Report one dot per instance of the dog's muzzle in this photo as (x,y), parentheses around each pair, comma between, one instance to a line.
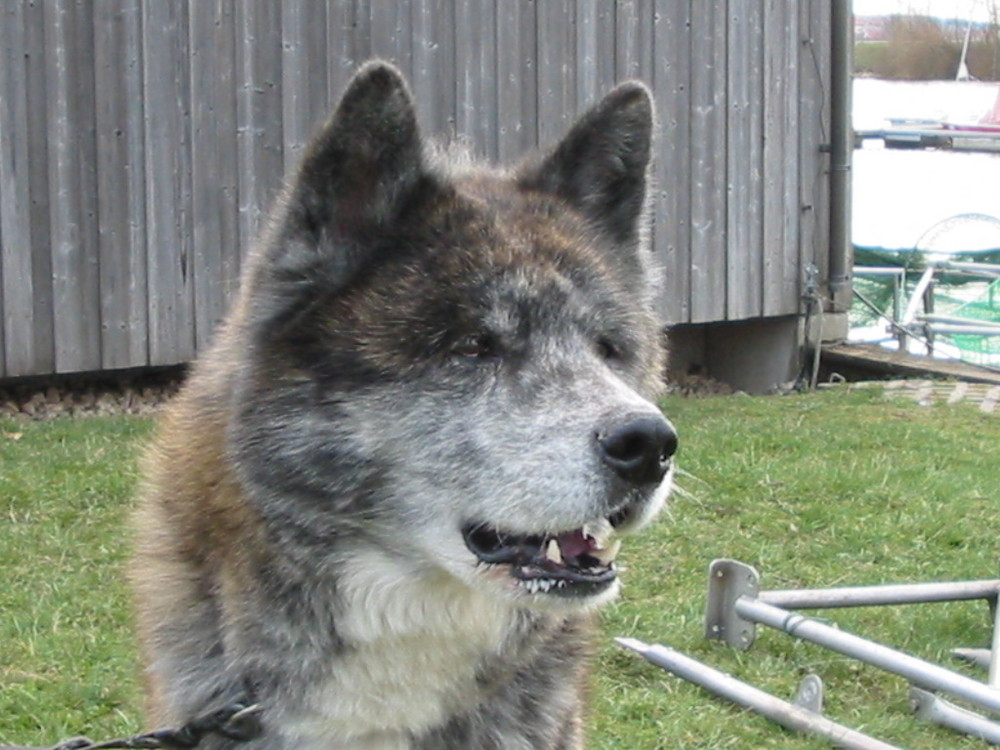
(581,562)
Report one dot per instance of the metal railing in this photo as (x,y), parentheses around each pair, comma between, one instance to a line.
(736,607)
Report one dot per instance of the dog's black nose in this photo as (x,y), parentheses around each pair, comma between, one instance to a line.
(639,449)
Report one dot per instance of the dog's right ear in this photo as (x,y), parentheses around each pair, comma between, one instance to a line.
(357,173)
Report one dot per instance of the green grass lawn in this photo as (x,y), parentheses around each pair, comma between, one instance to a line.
(66,654)
(815,490)
(818,490)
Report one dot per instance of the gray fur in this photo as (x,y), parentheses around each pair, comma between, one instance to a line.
(421,351)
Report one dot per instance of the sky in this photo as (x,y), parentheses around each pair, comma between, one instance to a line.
(977,10)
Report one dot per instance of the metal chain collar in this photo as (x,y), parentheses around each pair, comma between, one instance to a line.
(237,721)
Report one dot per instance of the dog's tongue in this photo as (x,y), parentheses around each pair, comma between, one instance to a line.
(574,544)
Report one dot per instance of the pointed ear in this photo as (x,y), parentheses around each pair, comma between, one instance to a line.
(364,163)
(600,166)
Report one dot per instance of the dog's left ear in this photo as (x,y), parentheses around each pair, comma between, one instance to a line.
(600,167)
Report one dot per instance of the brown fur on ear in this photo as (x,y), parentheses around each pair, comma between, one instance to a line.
(600,167)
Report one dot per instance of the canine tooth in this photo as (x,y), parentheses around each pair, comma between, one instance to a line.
(598,530)
(553,553)
(608,554)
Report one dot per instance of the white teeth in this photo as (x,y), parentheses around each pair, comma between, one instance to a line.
(542,585)
(608,554)
(553,553)
(598,530)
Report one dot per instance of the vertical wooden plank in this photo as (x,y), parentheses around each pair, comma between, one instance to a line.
(43,312)
(517,95)
(738,167)
(781,213)
(214,179)
(304,65)
(744,227)
(435,74)
(791,265)
(638,29)
(15,220)
(121,189)
(708,162)
(756,161)
(392,33)
(72,180)
(3,345)
(168,182)
(3,250)
(672,196)
(774,87)
(781,270)
(635,24)
(258,111)
(348,40)
(595,49)
(476,70)
(557,65)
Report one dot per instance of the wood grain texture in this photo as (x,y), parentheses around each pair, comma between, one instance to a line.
(142,142)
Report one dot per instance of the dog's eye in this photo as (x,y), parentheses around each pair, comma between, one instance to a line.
(478,346)
(608,350)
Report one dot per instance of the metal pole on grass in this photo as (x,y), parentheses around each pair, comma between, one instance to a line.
(994,670)
(866,596)
(919,672)
(930,707)
(777,710)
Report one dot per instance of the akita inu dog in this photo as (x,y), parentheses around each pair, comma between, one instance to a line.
(387,501)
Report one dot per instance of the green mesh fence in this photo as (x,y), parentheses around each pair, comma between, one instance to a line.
(952,293)
(878,291)
(984,350)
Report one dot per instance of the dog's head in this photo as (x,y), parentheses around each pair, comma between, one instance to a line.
(452,366)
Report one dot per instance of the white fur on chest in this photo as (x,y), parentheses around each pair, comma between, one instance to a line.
(413,647)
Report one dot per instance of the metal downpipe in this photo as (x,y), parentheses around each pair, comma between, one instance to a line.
(841,257)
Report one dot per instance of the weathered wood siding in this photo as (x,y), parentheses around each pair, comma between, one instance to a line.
(141,141)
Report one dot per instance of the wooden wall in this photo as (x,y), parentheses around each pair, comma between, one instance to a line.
(142,140)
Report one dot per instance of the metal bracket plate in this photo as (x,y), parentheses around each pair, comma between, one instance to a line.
(810,694)
(728,580)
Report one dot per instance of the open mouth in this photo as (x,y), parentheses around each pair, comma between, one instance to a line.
(572,563)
